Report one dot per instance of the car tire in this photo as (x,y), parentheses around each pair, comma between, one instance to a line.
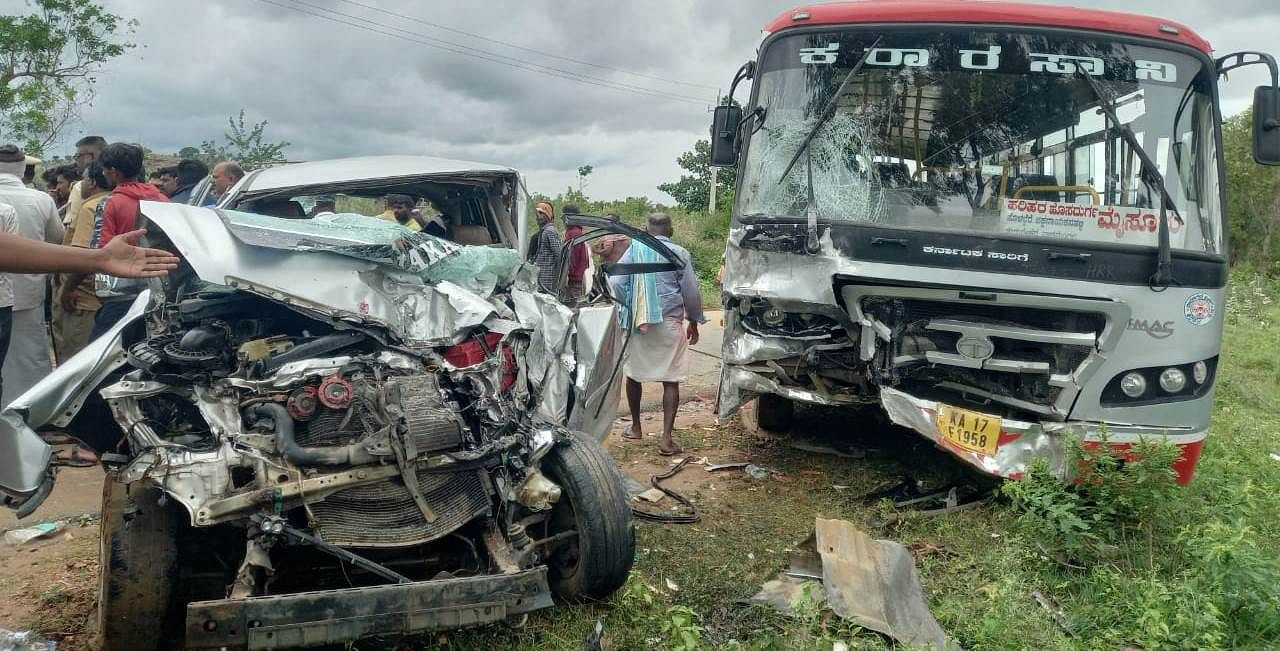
(138,554)
(770,414)
(595,562)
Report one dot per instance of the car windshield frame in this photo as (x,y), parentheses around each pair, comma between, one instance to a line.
(1196,178)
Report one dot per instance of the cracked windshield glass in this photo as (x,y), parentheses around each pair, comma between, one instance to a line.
(984,132)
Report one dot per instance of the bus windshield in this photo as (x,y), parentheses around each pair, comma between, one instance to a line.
(984,132)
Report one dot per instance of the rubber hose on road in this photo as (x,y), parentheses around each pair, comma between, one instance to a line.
(680,518)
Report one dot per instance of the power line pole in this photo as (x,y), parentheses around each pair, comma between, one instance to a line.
(711,196)
(715,171)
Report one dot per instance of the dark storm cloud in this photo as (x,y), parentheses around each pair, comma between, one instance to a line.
(337,90)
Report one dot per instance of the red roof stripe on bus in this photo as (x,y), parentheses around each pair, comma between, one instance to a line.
(987,12)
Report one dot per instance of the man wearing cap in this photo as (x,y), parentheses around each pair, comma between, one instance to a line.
(544,249)
(37,217)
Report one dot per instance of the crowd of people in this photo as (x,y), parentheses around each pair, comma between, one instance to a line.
(72,265)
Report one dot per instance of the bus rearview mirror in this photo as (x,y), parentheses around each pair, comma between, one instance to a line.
(1266,125)
(724,135)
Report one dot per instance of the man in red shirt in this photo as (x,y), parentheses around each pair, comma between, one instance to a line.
(122,165)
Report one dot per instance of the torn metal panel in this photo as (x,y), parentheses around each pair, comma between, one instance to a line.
(746,348)
(598,380)
(550,358)
(874,583)
(55,400)
(738,385)
(1022,441)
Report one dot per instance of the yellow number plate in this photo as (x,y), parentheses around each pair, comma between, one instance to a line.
(969,429)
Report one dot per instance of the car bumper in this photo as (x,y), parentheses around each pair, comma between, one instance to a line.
(337,616)
(1022,441)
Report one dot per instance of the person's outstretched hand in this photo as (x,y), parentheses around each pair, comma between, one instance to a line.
(123,258)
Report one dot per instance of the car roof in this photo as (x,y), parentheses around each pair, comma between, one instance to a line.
(364,168)
(980,12)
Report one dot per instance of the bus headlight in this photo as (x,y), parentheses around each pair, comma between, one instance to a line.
(1172,380)
(1133,384)
(1130,388)
(1200,372)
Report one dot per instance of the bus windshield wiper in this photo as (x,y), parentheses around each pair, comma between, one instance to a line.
(1151,175)
(827,111)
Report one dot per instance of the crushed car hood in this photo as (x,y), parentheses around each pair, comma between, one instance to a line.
(424,290)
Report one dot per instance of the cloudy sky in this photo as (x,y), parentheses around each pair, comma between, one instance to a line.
(646,74)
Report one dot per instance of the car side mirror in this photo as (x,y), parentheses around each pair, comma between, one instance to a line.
(1266,125)
(724,135)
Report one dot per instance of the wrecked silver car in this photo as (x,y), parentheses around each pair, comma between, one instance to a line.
(1005,234)
(317,430)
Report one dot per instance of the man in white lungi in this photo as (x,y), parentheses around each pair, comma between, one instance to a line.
(28,358)
(656,308)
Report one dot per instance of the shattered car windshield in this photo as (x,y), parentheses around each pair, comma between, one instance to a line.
(479,268)
(988,132)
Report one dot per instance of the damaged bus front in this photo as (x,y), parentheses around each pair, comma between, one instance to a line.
(1006,232)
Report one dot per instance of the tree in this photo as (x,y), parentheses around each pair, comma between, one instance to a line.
(49,60)
(189,152)
(691,191)
(244,145)
(1253,196)
(583,173)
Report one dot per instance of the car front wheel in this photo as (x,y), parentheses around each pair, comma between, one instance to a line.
(590,535)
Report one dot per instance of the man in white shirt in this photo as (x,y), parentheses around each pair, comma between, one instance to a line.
(9,225)
(37,217)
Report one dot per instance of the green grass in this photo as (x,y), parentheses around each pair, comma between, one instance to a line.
(1207,576)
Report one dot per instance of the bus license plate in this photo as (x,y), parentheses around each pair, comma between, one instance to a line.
(969,429)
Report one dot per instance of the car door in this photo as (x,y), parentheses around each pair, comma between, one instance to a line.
(600,342)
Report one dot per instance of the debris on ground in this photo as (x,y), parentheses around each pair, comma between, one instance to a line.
(691,516)
(653,495)
(595,641)
(24,641)
(760,472)
(1058,615)
(819,448)
(872,583)
(634,488)
(727,466)
(16,537)
(923,548)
